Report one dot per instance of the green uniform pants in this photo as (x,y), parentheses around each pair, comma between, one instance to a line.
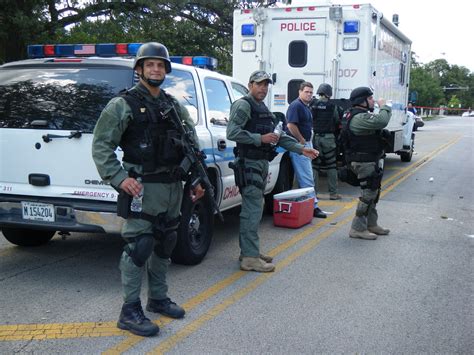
(158,198)
(326,161)
(366,212)
(252,208)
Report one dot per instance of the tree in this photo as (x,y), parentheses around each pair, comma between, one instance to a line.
(427,86)
(24,22)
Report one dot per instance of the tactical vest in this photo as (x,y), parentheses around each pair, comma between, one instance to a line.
(323,117)
(150,139)
(261,121)
(362,148)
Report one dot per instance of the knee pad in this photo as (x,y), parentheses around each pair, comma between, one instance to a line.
(165,244)
(362,207)
(143,247)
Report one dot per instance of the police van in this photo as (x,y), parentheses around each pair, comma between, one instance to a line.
(49,105)
(345,46)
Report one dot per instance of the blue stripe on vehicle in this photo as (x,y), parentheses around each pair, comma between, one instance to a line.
(215,155)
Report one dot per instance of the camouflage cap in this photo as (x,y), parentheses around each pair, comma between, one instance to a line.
(260,75)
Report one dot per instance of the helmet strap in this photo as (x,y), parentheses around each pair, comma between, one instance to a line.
(371,109)
(152,82)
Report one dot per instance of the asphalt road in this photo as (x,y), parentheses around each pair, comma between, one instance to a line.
(409,292)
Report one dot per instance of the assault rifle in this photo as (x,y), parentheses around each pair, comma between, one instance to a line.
(193,158)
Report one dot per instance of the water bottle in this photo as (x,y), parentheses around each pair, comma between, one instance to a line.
(278,130)
(137,201)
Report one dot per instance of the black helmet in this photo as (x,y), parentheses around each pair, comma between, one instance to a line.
(153,50)
(324,89)
(359,95)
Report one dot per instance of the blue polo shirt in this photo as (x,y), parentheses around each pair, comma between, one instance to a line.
(299,114)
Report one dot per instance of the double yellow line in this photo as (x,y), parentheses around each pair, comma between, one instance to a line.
(101,329)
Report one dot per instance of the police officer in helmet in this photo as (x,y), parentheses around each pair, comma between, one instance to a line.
(365,154)
(150,143)
(326,120)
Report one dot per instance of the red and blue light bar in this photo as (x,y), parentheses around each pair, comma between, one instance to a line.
(196,61)
(110,50)
(76,50)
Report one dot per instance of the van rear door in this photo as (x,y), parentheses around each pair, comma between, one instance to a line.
(296,52)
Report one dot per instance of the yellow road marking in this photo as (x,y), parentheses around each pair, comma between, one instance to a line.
(101,329)
(174,339)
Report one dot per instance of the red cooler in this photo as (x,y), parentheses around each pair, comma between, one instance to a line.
(293,208)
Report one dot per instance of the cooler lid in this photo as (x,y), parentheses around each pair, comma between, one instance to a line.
(293,194)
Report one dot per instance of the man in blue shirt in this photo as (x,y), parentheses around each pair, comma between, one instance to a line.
(300,126)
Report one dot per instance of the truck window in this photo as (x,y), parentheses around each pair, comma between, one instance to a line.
(239,90)
(218,101)
(293,89)
(70,98)
(297,54)
(401,79)
(180,84)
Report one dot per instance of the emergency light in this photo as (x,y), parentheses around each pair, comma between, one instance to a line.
(198,61)
(109,50)
(351,26)
(248,29)
(71,50)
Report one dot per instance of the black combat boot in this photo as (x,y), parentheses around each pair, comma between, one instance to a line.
(165,307)
(132,319)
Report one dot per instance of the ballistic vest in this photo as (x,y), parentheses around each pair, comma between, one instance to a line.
(362,148)
(261,121)
(323,117)
(150,139)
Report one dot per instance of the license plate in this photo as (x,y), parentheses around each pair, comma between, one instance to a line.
(37,211)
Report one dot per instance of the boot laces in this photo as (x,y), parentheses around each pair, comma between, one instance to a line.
(139,315)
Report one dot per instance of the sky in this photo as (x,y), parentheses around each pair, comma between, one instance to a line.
(438,29)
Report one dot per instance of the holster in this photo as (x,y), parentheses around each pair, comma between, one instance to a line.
(123,204)
(347,175)
(239,173)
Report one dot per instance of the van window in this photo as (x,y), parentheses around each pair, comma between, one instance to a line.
(180,84)
(218,101)
(297,54)
(69,98)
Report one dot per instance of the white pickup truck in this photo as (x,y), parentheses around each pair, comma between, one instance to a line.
(49,105)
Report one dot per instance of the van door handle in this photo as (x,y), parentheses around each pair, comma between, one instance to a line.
(221,144)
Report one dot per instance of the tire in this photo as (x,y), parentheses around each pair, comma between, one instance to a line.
(195,230)
(27,237)
(284,182)
(406,156)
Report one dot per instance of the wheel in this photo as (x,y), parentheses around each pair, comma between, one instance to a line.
(27,237)
(406,156)
(195,230)
(284,181)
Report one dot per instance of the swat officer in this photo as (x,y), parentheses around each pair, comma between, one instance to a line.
(364,153)
(252,125)
(150,143)
(326,119)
